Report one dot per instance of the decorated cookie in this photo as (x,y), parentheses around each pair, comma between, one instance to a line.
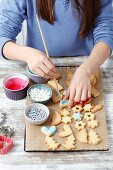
(66,119)
(93,124)
(96,108)
(94,138)
(67,131)
(52,84)
(89,116)
(70,142)
(51,143)
(82,136)
(80,125)
(49,131)
(93,79)
(77,116)
(77,108)
(94,92)
(56,119)
(63,103)
(65,112)
(88,107)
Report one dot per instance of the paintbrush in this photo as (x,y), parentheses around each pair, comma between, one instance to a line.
(46,50)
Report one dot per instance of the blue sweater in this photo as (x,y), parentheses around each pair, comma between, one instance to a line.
(62,38)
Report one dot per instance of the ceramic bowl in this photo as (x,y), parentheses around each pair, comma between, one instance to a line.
(35,78)
(45,97)
(34,117)
(16,86)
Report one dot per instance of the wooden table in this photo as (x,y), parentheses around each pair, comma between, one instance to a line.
(18,159)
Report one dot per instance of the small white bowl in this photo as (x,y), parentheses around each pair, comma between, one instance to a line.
(32,117)
(36,78)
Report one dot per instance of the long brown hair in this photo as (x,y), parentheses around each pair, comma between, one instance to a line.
(89,11)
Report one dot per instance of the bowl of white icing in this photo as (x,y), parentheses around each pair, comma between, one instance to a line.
(39,93)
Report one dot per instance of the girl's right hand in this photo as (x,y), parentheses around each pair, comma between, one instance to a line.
(39,63)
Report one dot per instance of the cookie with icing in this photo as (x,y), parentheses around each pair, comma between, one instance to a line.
(49,131)
(77,116)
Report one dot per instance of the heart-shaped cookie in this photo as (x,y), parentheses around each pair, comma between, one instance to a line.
(49,131)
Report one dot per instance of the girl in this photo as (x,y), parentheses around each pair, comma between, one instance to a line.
(70,27)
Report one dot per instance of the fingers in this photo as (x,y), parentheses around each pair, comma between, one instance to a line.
(48,63)
(67,94)
(78,94)
(46,70)
(84,94)
(41,73)
(71,96)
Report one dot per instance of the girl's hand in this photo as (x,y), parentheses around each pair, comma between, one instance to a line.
(40,64)
(80,87)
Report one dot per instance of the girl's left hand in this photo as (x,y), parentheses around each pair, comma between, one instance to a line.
(80,87)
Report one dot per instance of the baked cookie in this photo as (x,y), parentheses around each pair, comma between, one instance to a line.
(56,119)
(94,92)
(52,84)
(55,96)
(94,138)
(77,108)
(96,108)
(82,136)
(80,125)
(49,131)
(70,142)
(88,107)
(65,112)
(66,119)
(89,116)
(93,124)
(51,143)
(77,116)
(67,131)
(93,79)
(64,104)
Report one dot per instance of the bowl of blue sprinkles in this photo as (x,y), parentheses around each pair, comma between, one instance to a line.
(39,93)
(37,113)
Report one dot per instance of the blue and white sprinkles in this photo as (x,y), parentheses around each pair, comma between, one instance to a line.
(37,114)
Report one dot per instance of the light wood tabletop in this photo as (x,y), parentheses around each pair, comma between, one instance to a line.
(19,159)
